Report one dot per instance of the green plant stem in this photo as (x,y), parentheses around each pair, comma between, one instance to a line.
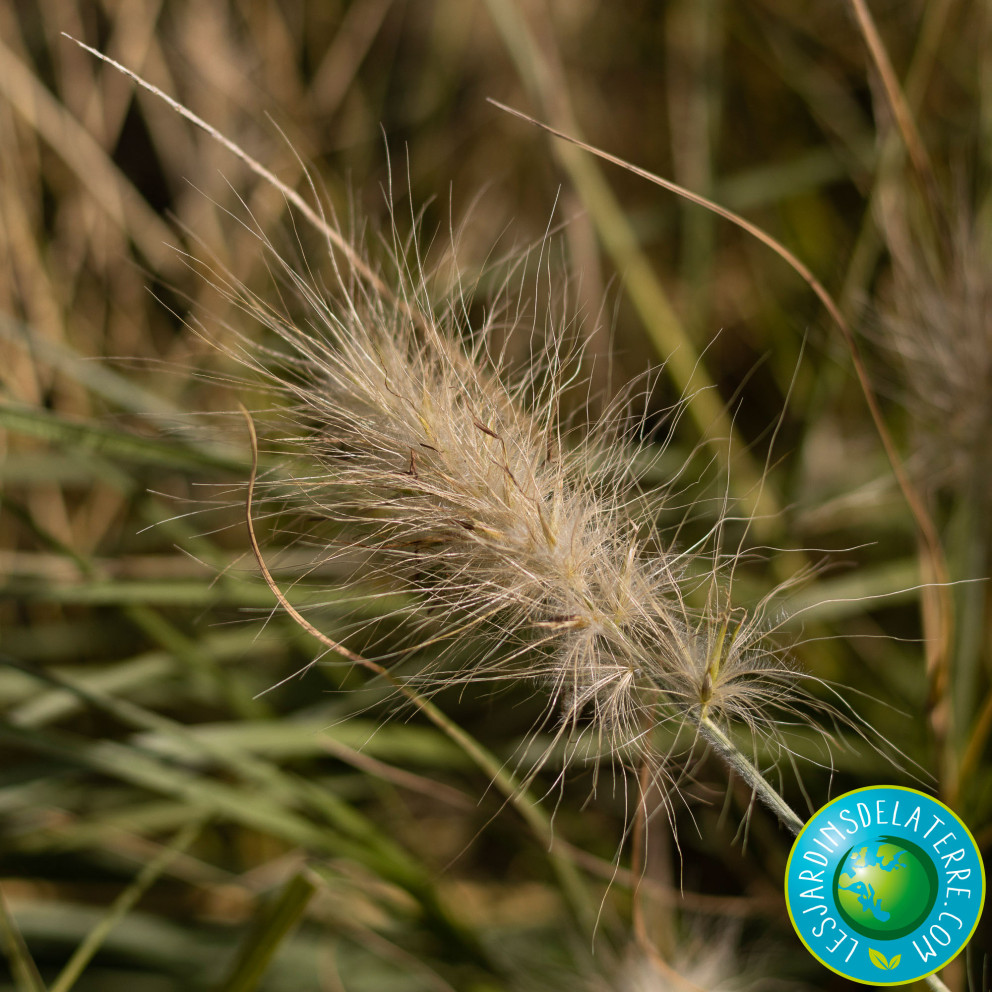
(265,938)
(748,771)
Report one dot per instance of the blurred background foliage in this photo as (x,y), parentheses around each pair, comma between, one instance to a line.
(169,825)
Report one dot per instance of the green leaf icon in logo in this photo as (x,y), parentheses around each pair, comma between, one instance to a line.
(879,960)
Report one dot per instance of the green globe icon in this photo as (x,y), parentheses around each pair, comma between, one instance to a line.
(885,887)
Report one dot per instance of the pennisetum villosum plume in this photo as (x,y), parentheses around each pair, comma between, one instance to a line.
(459,477)
(420,448)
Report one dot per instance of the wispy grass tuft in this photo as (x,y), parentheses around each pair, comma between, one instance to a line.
(417,454)
(579,635)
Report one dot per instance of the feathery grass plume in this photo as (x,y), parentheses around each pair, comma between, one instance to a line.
(473,490)
(450,469)
(445,467)
(938,325)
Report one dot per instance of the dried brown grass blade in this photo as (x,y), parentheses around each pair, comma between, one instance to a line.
(298,617)
(894,94)
(95,169)
(355,261)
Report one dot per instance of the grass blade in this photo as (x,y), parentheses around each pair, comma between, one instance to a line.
(22,966)
(121,906)
(271,927)
(83,436)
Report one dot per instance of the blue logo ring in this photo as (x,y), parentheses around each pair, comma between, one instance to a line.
(885,885)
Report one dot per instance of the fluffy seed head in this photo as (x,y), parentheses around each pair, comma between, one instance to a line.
(459,477)
(938,325)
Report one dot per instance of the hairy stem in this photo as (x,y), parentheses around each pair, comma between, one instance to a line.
(748,771)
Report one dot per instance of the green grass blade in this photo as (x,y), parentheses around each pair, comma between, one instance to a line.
(830,600)
(270,804)
(95,376)
(34,709)
(247,806)
(22,966)
(90,438)
(272,925)
(120,907)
